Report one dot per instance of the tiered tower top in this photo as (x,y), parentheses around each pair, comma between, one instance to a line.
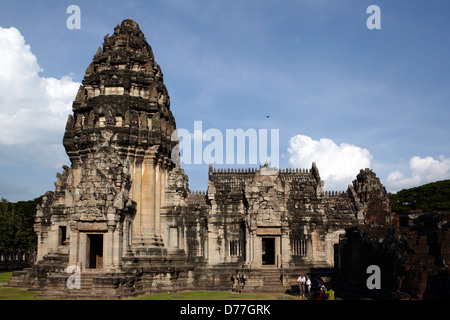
(122,91)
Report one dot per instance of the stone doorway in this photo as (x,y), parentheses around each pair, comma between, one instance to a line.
(268,251)
(94,251)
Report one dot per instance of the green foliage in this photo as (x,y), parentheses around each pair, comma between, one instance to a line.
(429,197)
(16,225)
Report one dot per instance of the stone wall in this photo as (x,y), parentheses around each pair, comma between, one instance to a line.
(11,260)
(413,258)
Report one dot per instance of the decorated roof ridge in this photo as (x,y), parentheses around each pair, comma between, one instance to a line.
(197,192)
(254,170)
(329,193)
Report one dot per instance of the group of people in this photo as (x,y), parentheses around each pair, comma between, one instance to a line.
(304,284)
(325,292)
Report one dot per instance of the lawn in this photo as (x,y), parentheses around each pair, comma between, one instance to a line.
(4,277)
(22,294)
(13,293)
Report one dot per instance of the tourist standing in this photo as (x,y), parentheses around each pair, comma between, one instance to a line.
(319,284)
(322,294)
(308,287)
(301,285)
(329,292)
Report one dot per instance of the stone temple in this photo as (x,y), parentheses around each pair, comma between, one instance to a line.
(123,218)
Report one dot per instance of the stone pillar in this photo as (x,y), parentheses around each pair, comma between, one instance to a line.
(286,252)
(206,249)
(164,177)
(81,252)
(53,236)
(148,199)
(109,250)
(118,246)
(248,247)
(136,196)
(41,248)
(148,191)
(309,247)
(126,235)
(278,247)
(215,248)
(158,199)
(74,244)
(252,245)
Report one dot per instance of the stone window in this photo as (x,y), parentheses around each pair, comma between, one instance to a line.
(299,247)
(195,249)
(235,247)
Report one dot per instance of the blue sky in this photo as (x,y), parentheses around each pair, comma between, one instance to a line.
(340,94)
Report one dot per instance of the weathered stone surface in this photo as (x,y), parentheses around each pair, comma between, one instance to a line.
(412,257)
(123,212)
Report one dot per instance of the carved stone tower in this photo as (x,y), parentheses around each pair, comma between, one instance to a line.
(119,143)
(123,215)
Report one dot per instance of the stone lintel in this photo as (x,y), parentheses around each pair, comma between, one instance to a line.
(268,231)
(92,226)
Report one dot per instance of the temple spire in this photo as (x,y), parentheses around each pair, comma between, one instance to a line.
(123,90)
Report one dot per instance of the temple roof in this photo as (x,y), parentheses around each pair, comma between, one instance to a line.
(123,90)
(124,66)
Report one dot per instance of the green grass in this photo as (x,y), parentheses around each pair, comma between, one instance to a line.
(17,294)
(13,293)
(4,277)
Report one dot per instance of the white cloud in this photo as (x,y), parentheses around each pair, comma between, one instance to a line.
(33,109)
(338,164)
(421,171)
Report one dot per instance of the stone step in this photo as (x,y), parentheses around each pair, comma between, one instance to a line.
(60,289)
(269,280)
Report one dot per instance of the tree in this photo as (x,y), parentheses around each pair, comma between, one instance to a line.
(16,225)
(429,197)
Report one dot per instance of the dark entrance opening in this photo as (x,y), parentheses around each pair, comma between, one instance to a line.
(62,235)
(268,251)
(95,251)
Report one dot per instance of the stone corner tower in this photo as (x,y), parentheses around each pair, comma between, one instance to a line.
(107,204)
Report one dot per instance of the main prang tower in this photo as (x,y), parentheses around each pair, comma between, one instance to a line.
(119,144)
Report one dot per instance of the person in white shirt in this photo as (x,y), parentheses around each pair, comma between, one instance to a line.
(301,285)
(308,286)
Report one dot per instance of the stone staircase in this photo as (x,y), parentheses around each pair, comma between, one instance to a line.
(92,285)
(264,280)
(57,287)
(272,281)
